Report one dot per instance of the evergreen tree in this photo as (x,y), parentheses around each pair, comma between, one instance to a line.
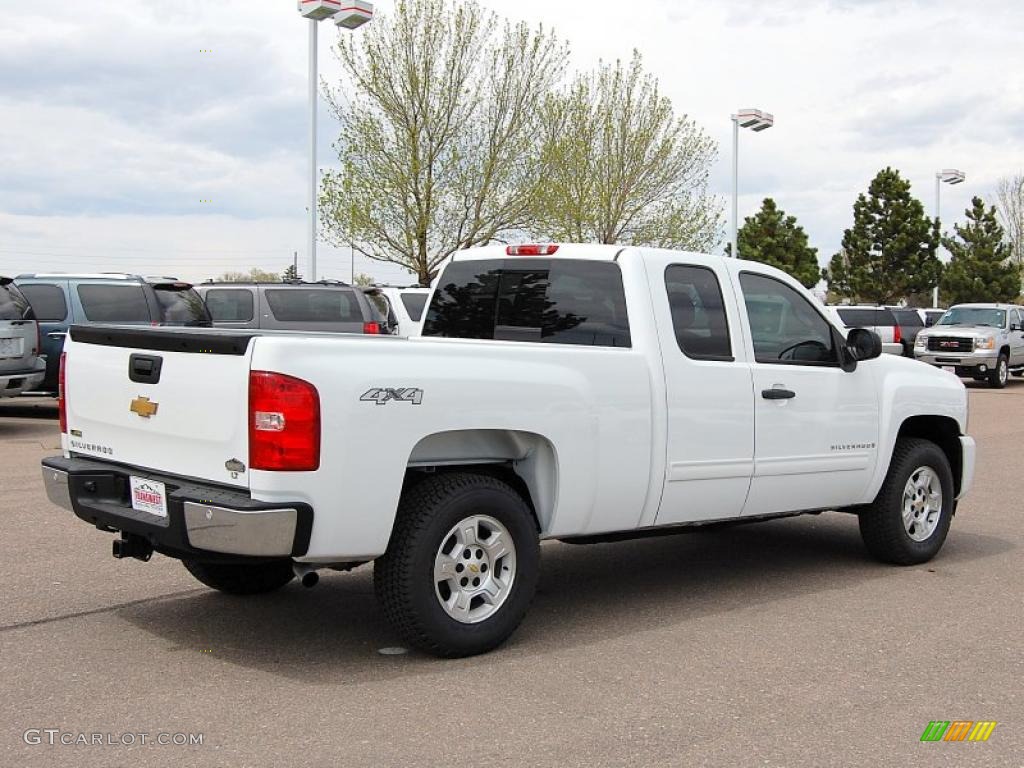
(981,268)
(889,253)
(772,237)
(291,273)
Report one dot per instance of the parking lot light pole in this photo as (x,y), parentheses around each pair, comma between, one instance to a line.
(756,120)
(348,14)
(948,176)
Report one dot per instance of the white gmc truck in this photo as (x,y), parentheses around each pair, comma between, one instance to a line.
(572,392)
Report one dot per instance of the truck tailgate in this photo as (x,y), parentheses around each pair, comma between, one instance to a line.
(173,401)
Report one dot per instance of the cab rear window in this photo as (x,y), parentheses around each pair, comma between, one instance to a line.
(13,306)
(559,301)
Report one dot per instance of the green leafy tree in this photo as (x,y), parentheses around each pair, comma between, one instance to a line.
(889,253)
(291,273)
(982,268)
(620,166)
(772,237)
(254,275)
(438,144)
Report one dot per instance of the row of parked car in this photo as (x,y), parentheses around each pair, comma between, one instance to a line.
(897,327)
(981,341)
(36,311)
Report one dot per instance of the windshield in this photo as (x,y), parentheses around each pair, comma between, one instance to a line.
(993,318)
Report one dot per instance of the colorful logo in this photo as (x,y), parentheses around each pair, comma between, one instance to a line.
(958,730)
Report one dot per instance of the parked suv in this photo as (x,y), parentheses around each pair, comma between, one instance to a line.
(403,306)
(21,368)
(292,306)
(60,300)
(983,341)
(880,320)
(909,323)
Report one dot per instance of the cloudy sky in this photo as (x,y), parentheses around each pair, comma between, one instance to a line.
(116,124)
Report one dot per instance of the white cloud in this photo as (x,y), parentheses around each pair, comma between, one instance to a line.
(114,125)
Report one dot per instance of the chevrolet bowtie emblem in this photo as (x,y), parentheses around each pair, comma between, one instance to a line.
(143,407)
(474,568)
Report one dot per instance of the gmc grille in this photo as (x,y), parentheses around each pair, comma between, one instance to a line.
(949,344)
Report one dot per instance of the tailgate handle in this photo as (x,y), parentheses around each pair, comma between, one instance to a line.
(145,369)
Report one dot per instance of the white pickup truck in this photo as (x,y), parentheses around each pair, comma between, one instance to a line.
(570,392)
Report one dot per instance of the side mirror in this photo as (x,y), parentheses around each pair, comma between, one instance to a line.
(864,344)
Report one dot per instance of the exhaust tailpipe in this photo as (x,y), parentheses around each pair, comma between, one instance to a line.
(306,574)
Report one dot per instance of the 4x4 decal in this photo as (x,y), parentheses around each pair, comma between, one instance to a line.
(382,395)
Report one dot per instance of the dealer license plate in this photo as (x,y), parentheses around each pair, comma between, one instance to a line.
(149,496)
(11,348)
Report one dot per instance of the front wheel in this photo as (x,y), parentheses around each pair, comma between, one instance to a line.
(461,567)
(909,519)
(242,578)
(997,379)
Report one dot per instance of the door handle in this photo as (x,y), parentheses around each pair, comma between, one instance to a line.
(56,335)
(777,393)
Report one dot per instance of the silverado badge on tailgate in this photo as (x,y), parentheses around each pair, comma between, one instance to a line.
(144,407)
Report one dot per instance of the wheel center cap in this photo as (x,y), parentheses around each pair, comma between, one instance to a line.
(474,568)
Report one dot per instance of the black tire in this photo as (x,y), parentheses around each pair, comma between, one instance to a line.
(997,378)
(244,578)
(881,523)
(403,576)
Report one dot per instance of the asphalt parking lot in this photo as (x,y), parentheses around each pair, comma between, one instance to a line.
(776,644)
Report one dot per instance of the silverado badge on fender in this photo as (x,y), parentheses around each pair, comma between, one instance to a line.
(144,407)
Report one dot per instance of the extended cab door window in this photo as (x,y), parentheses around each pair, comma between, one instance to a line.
(698,314)
(784,326)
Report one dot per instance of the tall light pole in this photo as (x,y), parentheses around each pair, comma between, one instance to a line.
(948,176)
(348,14)
(757,121)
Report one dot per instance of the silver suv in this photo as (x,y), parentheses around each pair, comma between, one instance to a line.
(21,368)
(982,341)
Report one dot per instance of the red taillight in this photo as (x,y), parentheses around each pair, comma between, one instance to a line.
(284,423)
(531,250)
(371,328)
(62,394)
(897,334)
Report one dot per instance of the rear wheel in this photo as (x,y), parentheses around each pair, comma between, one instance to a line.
(244,578)
(997,379)
(909,519)
(462,565)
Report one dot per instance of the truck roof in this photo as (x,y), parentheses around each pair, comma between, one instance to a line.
(595,252)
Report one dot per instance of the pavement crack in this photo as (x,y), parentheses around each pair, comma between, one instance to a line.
(93,611)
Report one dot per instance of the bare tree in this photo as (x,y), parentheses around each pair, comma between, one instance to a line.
(619,166)
(438,146)
(1010,205)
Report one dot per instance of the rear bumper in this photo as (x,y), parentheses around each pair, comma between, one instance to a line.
(15,383)
(204,522)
